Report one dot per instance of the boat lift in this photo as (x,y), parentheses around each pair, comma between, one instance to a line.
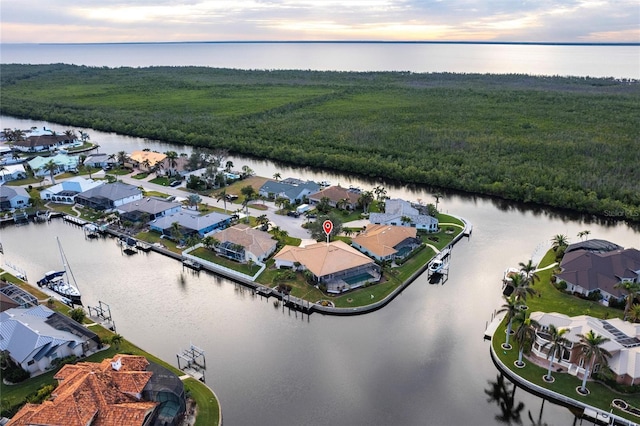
(438,269)
(102,312)
(196,364)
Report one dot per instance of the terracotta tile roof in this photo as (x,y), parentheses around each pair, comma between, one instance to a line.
(95,394)
(322,259)
(381,239)
(153,157)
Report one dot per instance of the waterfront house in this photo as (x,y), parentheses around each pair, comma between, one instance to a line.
(293,190)
(11,172)
(43,142)
(98,160)
(123,390)
(149,207)
(587,270)
(190,222)
(109,196)
(146,160)
(336,265)
(387,242)
(256,245)
(401,213)
(623,344)
(346,198)
(65,192)
(63,163)
(13,197)
(36,336)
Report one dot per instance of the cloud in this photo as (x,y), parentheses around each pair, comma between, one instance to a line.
(427,20)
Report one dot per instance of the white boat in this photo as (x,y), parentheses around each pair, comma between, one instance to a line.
(436,266)
(58,281)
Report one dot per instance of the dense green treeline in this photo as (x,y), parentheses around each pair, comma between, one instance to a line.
(571,143)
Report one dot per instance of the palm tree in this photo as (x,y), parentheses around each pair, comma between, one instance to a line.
(512,308)
(146,164)
(262,219)
(559,241)
(51,167)
(194,200)
(634,313)
(247,171)
(210,242)
(521,288)
(172,160)
(122,157)
(228,166)
(380,192)
(176,231)
(592,352)
(365,200)
(437,196)
(633,290)
(116,339)
(222,195)
(277,176)
(583,234)
(556,344)
(405,220)
(529,271)
(525,334)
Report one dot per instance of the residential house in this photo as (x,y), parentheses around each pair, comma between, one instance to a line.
(346,198)
(293,190)
(402,213)
(99,160)
(123,390)
(337,265)
(35,337)
(256,245)
(190,222)
(11,172)
(13,197)
(623,344)
(12,296)
(150,208)
(65,192)
(109,196)
(587,270)
(43,142)
(146,160)
(63,162)
(386,242)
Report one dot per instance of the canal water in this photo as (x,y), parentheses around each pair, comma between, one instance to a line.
(421,360)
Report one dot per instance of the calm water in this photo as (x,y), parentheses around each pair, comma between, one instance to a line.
(585,60)
(419,361)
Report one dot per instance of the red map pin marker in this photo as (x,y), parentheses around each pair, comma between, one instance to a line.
(327,225)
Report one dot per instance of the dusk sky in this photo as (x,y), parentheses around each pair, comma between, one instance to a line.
(88,21)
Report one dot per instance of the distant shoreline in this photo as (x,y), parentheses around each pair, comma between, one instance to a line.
(526,43)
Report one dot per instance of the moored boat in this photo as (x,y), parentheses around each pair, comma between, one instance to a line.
(59,282)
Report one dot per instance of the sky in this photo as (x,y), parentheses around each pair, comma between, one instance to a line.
(114,21)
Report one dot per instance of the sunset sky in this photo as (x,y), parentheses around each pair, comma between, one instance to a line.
(88,21)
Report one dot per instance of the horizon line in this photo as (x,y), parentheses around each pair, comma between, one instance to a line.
(540,43)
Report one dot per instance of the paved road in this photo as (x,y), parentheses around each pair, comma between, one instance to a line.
(292,225)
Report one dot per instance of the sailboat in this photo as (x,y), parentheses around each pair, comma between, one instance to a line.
(59,282)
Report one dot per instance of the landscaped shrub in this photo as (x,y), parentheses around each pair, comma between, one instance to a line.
(561,285)
(13,373)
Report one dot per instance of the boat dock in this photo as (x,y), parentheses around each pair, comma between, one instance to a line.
(191,264)
(75,220)
(493,324)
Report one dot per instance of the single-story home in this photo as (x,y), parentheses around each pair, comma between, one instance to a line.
(65,192)
(386,242)
(294,192)
(13,197)
(99,160)
(257,245)
(337,265)
(623,344)
(190,222)
(42,142)
(11,172)
(151,207)
(146,160)
(125,389)
(585,271)
(346,198)
(34,337)
(63,162)
(109,196)
(401,213)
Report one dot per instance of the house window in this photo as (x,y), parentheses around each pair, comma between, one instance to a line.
(31,362)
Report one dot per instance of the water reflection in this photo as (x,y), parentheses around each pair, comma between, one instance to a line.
(502,392)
